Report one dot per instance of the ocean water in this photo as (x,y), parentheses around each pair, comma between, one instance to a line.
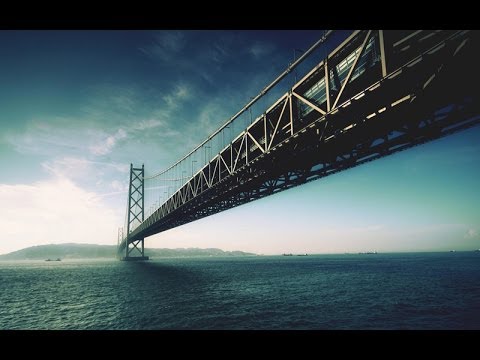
(370,291)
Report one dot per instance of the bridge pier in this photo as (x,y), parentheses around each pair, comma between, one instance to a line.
(136,192)
(129,249)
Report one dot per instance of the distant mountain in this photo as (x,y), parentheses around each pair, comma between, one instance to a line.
(92,251)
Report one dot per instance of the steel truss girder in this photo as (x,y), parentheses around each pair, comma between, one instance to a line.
(395,110)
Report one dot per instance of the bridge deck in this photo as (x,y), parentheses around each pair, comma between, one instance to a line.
(379,92)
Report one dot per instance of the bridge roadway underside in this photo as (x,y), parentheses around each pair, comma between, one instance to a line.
(448,104)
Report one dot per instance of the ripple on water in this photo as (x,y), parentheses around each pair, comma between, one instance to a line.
(396,291)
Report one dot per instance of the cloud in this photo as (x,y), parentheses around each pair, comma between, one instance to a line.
(77,168)
(54,211)
(95,175)
(471,234)
(64,136)
(96,146)
(259,50)
(180,93)
(119,186)
(68,167)
(105,146)
(147,124)
(48,138)
(166,45)
(56,137)
(219,51)
(107,105)
(211,116)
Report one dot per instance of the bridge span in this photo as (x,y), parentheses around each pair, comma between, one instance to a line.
(376,93)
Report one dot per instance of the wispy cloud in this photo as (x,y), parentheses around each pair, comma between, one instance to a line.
(166,45)
(66,137)
(68,167)
(471,234)
(179,94)
(207,61)
(108,100)
(211,116)
(119,186)
(72,167)
(220,50)
(93,175)
(106,145)
(259,50)
(110,117)
(147,124)
(40,137)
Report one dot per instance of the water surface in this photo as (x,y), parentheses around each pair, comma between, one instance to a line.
(351,291)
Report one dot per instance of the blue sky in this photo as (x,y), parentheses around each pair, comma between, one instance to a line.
(79,106)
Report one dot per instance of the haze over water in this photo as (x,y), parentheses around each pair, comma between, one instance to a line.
(351,291)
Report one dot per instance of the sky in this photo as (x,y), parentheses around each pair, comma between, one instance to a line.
(77,107)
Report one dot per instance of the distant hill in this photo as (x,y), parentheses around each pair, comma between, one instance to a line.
(92,251)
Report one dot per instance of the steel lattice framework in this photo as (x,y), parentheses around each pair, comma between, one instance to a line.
(377,93)
(135,214)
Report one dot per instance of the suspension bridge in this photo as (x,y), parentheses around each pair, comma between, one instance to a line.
(377,92)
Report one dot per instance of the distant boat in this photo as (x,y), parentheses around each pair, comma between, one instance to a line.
(478,250)
(452,250)
(57,259)
(287,255)
(302,255)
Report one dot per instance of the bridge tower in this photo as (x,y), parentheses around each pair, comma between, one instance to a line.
(135,214)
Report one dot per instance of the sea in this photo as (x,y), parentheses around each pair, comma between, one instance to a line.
(349,291)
